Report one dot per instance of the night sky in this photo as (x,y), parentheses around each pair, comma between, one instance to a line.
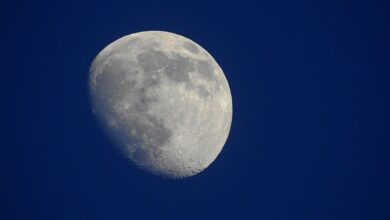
(310,131)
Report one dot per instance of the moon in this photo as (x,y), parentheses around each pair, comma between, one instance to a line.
(163,100)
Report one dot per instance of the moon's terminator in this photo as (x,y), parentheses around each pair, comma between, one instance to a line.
(164,100)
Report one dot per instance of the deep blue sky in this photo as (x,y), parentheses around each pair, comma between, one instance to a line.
(310,133)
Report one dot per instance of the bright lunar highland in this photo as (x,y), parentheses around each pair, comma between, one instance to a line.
(164,101)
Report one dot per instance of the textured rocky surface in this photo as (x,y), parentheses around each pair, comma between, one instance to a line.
(164,100)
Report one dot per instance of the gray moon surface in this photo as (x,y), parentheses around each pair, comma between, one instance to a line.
(163,100)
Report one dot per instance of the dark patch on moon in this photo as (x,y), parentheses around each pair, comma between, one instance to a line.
(108,83)
(191,47)
(157,134)
(141,133)
(152,79)
(130,85)
(205,69)
(178,69)
(151,134)
(152,60)
(202,91)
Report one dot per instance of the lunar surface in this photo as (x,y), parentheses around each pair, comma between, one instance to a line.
(164,101)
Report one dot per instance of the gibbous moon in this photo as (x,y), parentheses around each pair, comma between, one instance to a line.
(164,101)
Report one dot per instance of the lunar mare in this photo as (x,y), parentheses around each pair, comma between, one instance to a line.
(164,100)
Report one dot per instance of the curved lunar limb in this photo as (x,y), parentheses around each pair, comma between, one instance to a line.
(164,100)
